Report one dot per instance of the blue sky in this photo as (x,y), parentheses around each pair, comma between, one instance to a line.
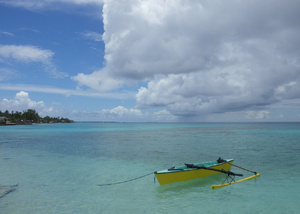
(159,60)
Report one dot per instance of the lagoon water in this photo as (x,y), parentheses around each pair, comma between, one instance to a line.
(58,167)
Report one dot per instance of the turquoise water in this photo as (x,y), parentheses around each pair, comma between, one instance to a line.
(58,167)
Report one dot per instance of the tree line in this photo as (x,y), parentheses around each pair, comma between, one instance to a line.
(28,117)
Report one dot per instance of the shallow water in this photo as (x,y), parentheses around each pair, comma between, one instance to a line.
(58,167)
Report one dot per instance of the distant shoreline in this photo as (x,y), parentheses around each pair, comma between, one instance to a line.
(28,124)
(29,117)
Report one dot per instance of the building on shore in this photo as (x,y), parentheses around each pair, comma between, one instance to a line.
(6,121)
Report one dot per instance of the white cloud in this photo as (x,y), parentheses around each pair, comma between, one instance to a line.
(7,33)
(7,74)
(198,57)
(21,102)
(26,53)
(97,37)
(40,4)
(259,115)
(80,2)
(98,80)
(92,8)
(31,54)
(288,90)
(203,57)
(122,113)
(163,116)
(68,92)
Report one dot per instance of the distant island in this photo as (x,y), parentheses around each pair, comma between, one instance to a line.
(28,117)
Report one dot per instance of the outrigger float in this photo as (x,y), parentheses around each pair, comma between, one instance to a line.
(200,170)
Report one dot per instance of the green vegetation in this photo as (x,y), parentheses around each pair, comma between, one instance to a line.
(28,117)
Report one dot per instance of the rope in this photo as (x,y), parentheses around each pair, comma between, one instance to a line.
(121,182)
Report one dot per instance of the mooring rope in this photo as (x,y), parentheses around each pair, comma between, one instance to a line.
(121,182)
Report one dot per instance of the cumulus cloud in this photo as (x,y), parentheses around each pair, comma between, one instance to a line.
(196,57)
(163,116)
(201,57)
(30,54)
(123,113)
(98,80)
(21,102)
(257,115)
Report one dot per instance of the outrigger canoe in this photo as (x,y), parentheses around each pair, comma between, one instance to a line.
(194,171)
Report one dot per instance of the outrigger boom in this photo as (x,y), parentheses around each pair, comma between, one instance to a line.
(216,170)
(223,185)
(233,181)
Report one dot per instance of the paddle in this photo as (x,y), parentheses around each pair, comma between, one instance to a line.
(208,168)
(220,160)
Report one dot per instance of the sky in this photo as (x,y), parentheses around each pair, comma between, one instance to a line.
(152,60)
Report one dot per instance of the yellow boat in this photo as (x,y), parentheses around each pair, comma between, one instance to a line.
(193,171)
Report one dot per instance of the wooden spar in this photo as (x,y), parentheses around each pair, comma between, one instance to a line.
(223,185)
(208,168)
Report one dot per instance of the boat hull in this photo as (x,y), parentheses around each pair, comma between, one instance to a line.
(185,174)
